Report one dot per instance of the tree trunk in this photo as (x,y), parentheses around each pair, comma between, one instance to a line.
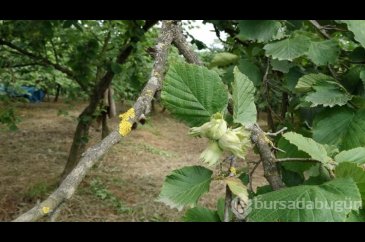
(81,137)
(82,130)
(104,123)
(104,114)
(112,109)
(57,92)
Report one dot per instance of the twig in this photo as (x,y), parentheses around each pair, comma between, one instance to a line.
(296,159)
(320,28)
(217,33)
(270,120)
(277,132)
(250,175)
(333,73)
(228,199)
(278,149)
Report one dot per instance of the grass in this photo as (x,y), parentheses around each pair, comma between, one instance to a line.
(123,186)
(157,151)
(100,191)
(39,190)
(150,127)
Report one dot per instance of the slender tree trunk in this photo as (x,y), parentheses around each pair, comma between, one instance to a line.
(112,109)
(57,93)
(104,123)
(82,129)
(81,137)
(104,114)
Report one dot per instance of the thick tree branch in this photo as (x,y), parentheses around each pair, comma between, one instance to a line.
(94,153)
(184,48)
(268,159)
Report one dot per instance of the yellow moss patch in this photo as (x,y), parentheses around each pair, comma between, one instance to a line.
(125,125)
(45,210)
(149,93)
(233,170)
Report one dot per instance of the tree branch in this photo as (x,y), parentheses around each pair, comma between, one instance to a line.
(320,28)
(296,159)
(43,60)
(268,159)
(228,198)
(250,175)
(22,65)
(94,153)
(184,48)
(277,132)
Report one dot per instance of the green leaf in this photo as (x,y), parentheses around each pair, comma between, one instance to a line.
(263,189)
(282,66)
(220,209)
(291,178)
(237,188)
(351,169)
(358,28)
(247,67)
(306,82)
(185,186)
(329,202)
(251,70)
(244,108)
(193,93)
(291,78)
(354,171)
(356,155)
(340,126)
(200,214)
(323,52)
(328,94)
(291,151)
(323,90)
(355,216)
(308,145)
(223,59)
(288,49)
(258,30)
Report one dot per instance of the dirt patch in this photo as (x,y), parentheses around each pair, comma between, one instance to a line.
(122,187)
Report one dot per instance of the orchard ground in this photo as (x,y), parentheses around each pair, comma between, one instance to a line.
(123,186)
